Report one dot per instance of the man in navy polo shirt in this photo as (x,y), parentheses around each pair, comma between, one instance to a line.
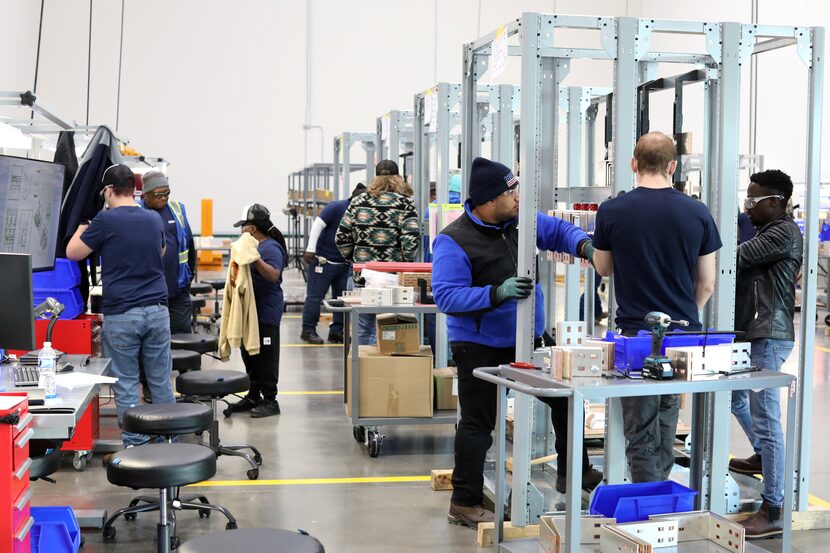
(326,269)
(660,245)
(130,240)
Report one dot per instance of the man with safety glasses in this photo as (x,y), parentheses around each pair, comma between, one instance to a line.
(768,267)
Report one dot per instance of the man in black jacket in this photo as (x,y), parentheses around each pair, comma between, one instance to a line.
(768,267)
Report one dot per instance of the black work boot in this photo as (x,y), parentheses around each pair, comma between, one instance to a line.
(469,516)
(590,480)
(311,337)
(268,408)
(750,465)
(335,338)
(247,403)
(765,523)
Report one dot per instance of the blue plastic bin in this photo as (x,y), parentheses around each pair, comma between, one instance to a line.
(71,299)
(630,351)
(633,502)
(55,530)
(64,276)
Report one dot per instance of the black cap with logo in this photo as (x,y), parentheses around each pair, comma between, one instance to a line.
(252,213)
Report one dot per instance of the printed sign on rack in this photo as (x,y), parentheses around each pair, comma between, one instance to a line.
(498,55)
(429,106)
(384,127)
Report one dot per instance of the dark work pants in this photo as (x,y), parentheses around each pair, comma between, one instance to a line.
(650,424)
(478,419)
(334,276)
(264,369)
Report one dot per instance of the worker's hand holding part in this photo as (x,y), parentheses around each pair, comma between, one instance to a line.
(514,288)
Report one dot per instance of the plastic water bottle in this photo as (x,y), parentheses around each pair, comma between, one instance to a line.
(46,361)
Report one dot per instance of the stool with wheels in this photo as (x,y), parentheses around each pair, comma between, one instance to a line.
(216,385)
(200,343)
(185,360)
(163,467)
(216,284)
(254,540)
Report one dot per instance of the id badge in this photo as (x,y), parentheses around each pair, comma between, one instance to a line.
(318,269)
(266,341)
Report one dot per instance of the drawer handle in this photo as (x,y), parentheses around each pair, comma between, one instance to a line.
(25,530)
(27,464)
(24,499)
(27,418)
(24,439)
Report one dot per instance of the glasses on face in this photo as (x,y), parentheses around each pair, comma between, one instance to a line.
(160,195)
(751,201)
(104,189)
(511,191)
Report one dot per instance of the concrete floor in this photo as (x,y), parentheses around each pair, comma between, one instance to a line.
(312,439)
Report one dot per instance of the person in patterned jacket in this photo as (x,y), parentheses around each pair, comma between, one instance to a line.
(379,225)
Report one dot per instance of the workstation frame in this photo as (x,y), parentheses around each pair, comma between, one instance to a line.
(343,165)
(395,139)
(625,42)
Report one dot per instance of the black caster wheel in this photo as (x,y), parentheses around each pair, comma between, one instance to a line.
(359,433)
(375,440)
(253,474)
(231,526)
(83,541)
(257,458)
(227,412)
(827,320)
(175,542)
(109,532)
(204,513)
(130,516)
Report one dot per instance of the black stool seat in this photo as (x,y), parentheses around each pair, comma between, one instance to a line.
(161,466)
(253,540)
(186,360)
(216,284)
(45,456)
(197,303)
(212,383)
(168,419)
(200,288)
(202,343)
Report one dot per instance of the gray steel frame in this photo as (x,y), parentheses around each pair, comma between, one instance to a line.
(626,42)
(400,139)
(307,180)
(343,166)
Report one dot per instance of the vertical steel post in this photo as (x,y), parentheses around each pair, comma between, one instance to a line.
(574,165)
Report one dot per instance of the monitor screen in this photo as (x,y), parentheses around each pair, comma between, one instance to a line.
(30,204)
(17,323)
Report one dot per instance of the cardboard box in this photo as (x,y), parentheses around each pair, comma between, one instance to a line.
(444,398)
(392,386)
(398,334)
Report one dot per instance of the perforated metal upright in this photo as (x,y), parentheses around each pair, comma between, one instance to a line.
(395,137)
(343,166)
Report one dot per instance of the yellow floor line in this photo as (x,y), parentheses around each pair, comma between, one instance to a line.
(313,393)
(312,481)
(823,349)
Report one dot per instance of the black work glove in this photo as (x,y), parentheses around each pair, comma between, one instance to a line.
(514,288)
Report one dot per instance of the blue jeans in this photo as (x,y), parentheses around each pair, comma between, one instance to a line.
(145,331)
(366,330)
(334,276)
(759,414)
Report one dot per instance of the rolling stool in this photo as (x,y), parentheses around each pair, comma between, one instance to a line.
(163,467)
(200,343)
(254,540)
(185,360)
(216,284)
(216,385)
(200,288)
(195,305)
(168,420)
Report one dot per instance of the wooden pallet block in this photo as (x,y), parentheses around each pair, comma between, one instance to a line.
(487,530)
(441,479)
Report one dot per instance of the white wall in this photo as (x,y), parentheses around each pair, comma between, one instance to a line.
(218,87)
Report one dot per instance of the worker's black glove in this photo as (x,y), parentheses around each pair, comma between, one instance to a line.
(514,288)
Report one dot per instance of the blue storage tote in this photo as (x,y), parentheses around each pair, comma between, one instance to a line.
(70,298)
(633,502)
(64,276)
(630,351)
(55,530)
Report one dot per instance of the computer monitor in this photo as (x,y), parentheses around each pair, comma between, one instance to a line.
(17,320)
(30,206)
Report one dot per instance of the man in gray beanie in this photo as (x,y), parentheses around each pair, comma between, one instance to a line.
(180,255)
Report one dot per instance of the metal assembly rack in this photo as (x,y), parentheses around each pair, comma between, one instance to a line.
(343,166)
(395,139)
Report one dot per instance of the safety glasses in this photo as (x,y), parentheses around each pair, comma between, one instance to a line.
(159,195)
(104,189)
(751,201)
(511,191)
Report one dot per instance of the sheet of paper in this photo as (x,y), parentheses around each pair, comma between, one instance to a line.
(498,56)
(79,380)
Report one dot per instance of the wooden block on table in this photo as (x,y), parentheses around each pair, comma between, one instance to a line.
(441,480)
(486,531)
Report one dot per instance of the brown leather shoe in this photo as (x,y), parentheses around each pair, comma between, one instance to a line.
(590,480)
(750,465)
(765,523)
(469,516)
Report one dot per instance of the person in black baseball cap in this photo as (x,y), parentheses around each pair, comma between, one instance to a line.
(386,167)
(266,276)
(475,284)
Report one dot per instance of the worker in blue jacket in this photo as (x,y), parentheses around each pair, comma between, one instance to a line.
(475,283)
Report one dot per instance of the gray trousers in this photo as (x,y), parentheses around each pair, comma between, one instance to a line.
(650,424)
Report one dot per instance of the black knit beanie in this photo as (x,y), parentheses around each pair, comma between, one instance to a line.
(488,179)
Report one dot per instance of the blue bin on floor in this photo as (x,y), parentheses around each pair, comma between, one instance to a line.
(633,502)
(55,530)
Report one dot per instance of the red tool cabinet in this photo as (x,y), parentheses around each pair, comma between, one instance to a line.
(15,520)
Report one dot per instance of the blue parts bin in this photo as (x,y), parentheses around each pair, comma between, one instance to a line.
(630,351)
(61,283)
(55,530)
(633,502)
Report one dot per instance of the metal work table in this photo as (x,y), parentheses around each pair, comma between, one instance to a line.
(539,384)
(370,436)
